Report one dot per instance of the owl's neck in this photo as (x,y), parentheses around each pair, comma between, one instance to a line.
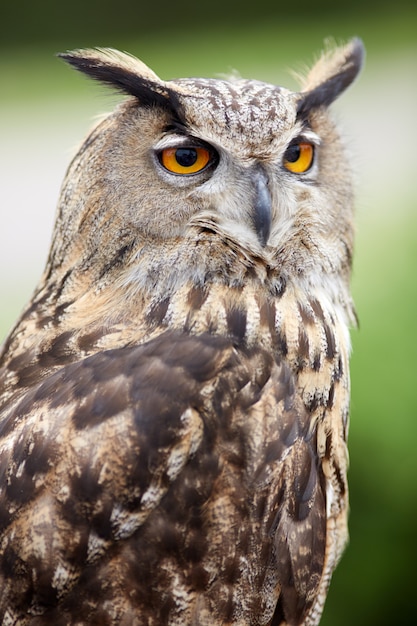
(194,290)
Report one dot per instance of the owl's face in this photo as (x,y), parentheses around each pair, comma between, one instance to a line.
(225,165)
(239,162)
(258,167)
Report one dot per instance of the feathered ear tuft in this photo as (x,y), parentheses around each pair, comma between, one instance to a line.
(125,73)
(330,76)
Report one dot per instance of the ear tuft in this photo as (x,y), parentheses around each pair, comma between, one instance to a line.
(330,76)
(102,59)
(125,73)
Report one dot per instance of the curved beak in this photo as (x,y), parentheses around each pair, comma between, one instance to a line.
(262,209)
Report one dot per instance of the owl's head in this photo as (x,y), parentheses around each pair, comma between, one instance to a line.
(255,169)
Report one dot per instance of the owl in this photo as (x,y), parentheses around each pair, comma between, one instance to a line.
(174,399)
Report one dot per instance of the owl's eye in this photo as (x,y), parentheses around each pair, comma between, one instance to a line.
(186,160)
(299,157)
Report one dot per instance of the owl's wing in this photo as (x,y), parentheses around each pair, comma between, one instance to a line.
(87,454)
(296,513)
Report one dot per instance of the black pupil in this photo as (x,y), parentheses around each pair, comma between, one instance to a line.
(186,157)
(293,153)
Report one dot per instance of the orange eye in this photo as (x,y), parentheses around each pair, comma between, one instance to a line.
(185,160)
(299,157)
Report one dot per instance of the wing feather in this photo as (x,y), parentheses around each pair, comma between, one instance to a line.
(184,458)
(89,453)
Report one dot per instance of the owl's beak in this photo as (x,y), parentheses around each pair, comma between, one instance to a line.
(262,209)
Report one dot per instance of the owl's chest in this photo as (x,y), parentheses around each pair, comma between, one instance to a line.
(307,331)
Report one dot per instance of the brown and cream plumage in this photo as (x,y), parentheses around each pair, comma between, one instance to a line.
(174,399)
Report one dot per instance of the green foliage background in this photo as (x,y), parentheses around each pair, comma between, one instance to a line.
(374,583)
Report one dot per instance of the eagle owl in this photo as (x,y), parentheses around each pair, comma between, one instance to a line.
(174,399)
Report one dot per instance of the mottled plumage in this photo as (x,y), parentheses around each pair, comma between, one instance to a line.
(174,400)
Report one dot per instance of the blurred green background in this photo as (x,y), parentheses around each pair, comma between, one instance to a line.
(45,109)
